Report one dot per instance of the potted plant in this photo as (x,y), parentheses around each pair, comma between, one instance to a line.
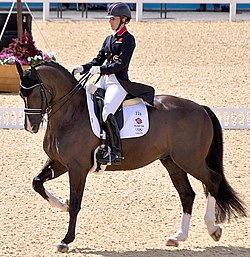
(26,53)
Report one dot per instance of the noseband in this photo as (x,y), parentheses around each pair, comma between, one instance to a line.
(34,111)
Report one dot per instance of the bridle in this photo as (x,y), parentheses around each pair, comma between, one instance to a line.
(35,111)
(50,109)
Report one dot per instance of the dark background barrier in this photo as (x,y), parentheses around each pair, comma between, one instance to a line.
(11,29)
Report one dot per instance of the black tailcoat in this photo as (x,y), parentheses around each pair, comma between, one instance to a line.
(117,51)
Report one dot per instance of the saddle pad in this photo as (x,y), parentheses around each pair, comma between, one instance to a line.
(135,119)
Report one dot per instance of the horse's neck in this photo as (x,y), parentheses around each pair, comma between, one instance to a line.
(69,109)
(71,104)
(66,101)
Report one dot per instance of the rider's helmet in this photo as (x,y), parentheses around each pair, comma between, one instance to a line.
(119,9)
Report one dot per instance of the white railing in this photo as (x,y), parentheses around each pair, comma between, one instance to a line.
(230,118)
(139,4)
(11,117)
(233,118)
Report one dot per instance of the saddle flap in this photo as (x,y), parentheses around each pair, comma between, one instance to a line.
(134,114)
(98,100)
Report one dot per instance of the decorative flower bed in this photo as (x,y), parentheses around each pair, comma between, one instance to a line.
(26,53)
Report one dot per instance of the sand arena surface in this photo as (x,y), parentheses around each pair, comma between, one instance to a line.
(131,213)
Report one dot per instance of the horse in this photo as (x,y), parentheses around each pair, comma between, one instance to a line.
(186,137)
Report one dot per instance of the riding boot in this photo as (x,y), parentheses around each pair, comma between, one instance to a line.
(113,157)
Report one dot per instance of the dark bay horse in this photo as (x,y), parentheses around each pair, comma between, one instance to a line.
(185,136)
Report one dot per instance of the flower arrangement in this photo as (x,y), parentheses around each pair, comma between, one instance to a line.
(25,52)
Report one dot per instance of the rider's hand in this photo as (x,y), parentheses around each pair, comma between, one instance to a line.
(95,70)
(77,69)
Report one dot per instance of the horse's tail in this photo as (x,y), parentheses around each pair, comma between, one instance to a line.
(228,203)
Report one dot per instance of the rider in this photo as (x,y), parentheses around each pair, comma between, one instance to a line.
(117,50)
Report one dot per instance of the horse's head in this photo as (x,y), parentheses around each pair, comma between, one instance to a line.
(32,92)
(45,88)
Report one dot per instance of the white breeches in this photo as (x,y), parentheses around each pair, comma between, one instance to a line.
(114,95)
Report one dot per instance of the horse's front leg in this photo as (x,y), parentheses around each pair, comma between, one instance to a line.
(50,171)
(77,180)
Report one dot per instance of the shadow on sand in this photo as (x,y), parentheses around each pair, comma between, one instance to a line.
(207,252)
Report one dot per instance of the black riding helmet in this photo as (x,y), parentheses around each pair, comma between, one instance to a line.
(119,9)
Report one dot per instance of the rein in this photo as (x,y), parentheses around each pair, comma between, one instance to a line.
(81,83)
(64,99)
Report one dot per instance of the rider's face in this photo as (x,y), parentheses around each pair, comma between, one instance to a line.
(114,22)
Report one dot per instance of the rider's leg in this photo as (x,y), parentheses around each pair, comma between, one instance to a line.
(114,134)
(114,96)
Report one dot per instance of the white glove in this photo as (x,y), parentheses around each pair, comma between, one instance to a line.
(95,70)
(77,69)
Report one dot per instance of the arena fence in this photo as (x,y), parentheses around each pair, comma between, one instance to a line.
(230,118)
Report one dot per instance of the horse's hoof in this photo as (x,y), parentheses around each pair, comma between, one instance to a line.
(172,242)
(62,248)
(217,234)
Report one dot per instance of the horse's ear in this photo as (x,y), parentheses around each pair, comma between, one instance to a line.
(19,69)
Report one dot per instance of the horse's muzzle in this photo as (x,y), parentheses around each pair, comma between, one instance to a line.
(31,127)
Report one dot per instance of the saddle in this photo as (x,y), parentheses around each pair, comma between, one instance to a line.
(131,116)
(98,95)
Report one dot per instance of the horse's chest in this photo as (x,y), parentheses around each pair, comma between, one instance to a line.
(53,146)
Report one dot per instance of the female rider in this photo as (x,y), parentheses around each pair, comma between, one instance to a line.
(117,50)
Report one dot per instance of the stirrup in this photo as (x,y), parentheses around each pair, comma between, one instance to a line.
(108,158)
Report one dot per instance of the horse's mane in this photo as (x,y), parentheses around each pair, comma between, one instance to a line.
(58,66)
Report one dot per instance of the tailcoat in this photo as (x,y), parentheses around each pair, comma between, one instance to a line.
(117,51)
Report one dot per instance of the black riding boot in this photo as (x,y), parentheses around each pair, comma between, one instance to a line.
(115,142)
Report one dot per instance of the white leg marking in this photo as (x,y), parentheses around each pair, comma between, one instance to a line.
(182,233)
(209,217)
(55,202)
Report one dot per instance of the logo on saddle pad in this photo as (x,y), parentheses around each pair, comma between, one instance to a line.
(138,120)
(135,117)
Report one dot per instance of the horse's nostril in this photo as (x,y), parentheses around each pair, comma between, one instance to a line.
(35,128)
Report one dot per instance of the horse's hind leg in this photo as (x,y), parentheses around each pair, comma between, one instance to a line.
(49,171)
(210,220)
(211,180)
(187,195)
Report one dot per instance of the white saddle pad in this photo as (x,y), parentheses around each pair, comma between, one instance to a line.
(135,119)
